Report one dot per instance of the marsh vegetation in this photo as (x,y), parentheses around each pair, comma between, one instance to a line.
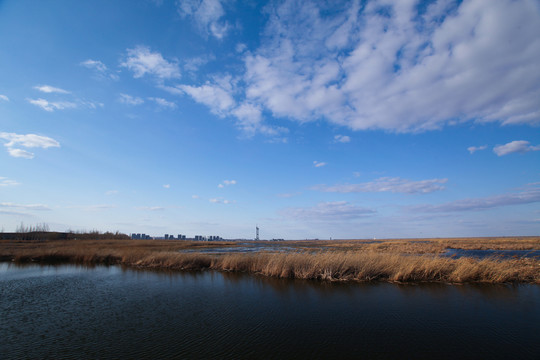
(392,260)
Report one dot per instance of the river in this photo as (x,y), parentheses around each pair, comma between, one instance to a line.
(74,312)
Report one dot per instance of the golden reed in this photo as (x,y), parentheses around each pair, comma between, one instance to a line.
(332,261)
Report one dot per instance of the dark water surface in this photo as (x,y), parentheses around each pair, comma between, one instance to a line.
(73,312)
(481,254)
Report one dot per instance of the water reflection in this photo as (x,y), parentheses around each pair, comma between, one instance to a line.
(111,312)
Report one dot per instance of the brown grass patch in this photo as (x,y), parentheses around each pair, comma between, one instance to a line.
(389,260)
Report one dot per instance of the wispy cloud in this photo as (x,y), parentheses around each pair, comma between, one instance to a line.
(141,61)
(4,182)
(518,146)
(28,141)
(221,201)
(227,183)
(93,208)
(163,103)
(50,89)
(318,163)
(473,149)
(130,100)
(39,207)
(531,194)
(111,192)
(100,69)
(50,106)
(342,138)
(20,153)
(167,186)
(336,210)
(388,184)
(207,15)
(150,208)
(4,97)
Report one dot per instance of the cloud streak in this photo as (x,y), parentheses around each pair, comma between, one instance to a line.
(130,100)
(4,182)
(327,211)
(388,184)
(50,89)
(531,194)
(473,149)
(51,106)
(38,207)
(518,146)
(100,69)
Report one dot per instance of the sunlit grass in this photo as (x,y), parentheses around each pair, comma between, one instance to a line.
(351,260)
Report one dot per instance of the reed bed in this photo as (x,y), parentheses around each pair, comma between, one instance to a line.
(333,261)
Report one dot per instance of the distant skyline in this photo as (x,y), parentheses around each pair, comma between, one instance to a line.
(342,119)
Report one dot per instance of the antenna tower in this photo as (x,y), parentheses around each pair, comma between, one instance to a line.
(257,232)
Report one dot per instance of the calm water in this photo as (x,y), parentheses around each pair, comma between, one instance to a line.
(107,312)
(481,254)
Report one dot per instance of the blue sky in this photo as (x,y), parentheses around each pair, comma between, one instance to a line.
(352,119)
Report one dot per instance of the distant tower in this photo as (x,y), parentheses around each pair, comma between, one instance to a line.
(257,233)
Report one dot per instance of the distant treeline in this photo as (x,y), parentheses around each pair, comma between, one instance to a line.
(54,235)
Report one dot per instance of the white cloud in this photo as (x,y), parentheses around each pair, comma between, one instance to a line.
(531,194)
(100,68)
(318,164)
(94,64)
(130,100)
(142,61)
(4,182)
(50,89)
(218,97)
(163,103)
(20,153)
(518,146)
(336,210)
(398,69)
(111,192)
(24,207)
(227,183)
(220,201)
(167,186)
(4,97)
(207,15)
(195,196)
(342,138)
(29,141)
(389,184)
(53,105)
(473,149)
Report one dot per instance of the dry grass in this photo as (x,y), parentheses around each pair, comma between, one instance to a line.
(390,260)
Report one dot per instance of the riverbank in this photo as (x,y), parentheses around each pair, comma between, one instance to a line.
(393,260)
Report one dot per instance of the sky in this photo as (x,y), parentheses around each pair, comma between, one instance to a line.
(310,119)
